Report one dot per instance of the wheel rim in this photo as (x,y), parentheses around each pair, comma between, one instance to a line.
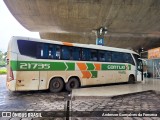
(131,79)
(56,84)
(72,84)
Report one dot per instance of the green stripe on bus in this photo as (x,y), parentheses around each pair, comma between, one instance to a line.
(90,66)
(129,67)
(60,66)
(41,66)
(71,66)
(57,66)
(13,65)
(94,74)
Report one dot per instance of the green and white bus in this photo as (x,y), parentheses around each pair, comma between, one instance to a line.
(38,64)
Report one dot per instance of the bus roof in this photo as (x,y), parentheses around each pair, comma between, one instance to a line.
(92,46)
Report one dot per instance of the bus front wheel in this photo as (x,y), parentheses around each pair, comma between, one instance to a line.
(131,79)
(56,85)
(72,83)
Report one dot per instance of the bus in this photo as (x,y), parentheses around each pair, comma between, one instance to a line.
(39,64)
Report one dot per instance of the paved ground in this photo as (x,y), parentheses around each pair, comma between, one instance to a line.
(120,89)
(30,101)
(132,103)
(46,101)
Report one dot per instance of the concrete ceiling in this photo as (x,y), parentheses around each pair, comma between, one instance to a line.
(131,23)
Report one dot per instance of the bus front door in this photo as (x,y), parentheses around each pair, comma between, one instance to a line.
(139,71)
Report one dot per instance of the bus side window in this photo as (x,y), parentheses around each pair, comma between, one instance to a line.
(108,56)
(39,51)
(101,56)
(53,51)
(28,48)
(45,51)
(94,55)
(76,53)
(50,51)
(117,57)
(128,58)
(42,51)
(58,52)
(67,53)
(85,54)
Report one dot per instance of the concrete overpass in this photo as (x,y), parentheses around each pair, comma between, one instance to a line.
(131,23)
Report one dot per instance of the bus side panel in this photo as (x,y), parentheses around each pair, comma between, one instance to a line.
(82,75)
(11,70)
(131,72)
(73,73)
(102,77)
(91,73)
(27,77)
(85,73)
(43,80)
(27,80)
(53,74)
(106,76)
(123,75)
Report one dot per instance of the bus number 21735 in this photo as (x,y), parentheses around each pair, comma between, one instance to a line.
(34,66)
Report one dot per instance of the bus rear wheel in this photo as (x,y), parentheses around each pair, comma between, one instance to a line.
(56,85)
(72,83)
(131,79)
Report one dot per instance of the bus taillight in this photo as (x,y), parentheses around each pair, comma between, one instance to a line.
(7,61)
(11,77)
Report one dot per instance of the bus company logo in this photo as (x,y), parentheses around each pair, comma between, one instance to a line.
(116,67)
(128,67)
(6,114)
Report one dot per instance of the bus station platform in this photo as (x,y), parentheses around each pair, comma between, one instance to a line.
(118,89)
(139,101)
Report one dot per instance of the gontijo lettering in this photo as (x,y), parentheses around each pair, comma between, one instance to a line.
(116,67)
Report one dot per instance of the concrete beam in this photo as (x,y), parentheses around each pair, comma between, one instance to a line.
(130,41)
(131,23)
(119,16)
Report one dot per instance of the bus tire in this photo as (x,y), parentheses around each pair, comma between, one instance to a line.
(72,83)
(131,79)
(56,85)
